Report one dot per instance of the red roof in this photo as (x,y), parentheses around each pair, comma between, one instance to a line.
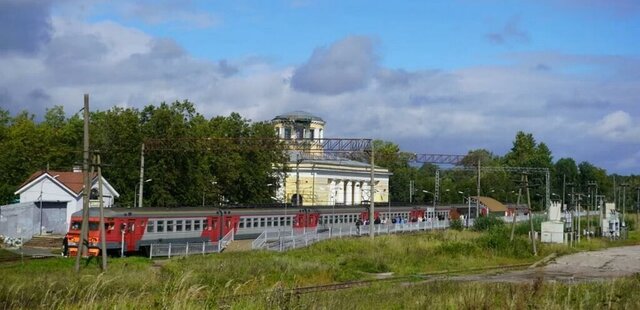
(72,180)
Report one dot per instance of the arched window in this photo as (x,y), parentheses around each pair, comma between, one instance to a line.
(94,194)
(296,200)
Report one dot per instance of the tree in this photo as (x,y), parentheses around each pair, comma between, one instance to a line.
(527,153)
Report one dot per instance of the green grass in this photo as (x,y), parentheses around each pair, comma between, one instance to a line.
(215,281)
(5,254)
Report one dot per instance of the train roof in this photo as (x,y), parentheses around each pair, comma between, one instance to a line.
(210,211)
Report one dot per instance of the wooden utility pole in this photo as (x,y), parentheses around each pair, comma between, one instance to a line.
(103,237)
(84,231)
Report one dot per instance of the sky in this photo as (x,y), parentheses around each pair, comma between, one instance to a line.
(439,76)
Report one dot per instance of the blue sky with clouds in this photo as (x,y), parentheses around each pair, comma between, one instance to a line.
(432,76)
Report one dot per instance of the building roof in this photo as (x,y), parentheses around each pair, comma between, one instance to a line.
(492,204)
(71,181)
(298,116)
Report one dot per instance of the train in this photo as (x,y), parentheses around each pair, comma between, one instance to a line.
(135,230)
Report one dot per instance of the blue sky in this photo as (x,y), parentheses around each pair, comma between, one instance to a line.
(432,76)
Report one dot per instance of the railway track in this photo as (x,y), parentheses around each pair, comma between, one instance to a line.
(364,283)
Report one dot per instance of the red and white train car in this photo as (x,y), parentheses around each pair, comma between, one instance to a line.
(132,230)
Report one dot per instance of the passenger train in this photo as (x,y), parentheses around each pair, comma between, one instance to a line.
(134,230)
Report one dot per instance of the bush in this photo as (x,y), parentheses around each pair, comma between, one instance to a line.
(456,224)
(485,223)
(522,228)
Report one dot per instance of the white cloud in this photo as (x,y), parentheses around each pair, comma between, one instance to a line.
(618,126)
(424,110)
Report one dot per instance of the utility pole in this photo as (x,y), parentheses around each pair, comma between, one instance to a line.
(572,203)
(298,160)
(637,206)
(591,205)
(84,230)
(141,176)
(478,193)
(579,205)
(410,191)
(624,202)
(103,236)
(372,199)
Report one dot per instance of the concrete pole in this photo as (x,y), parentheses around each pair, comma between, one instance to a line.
(141,176)
(103,236)
(84,231)
(373,194)
(478,191)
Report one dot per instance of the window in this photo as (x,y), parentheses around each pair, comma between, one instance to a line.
(179,225)
(150,226)
(169,226)
(187,225)
(159,226)
(196,225)
(249,222)
(262,222)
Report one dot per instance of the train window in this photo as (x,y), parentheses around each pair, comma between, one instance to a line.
(150,226)
(169,226)
(179,225)
(187,225)
(159,226)
(196,225)
(249,222)
(241,224)
(262,222)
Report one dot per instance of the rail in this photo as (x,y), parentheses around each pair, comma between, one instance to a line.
(193,248)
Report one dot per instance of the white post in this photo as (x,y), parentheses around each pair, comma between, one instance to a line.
(169,250)
(203,247)
(187,250)
(151,251)
(122,244)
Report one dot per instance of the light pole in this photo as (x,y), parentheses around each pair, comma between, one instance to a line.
(468,205)
(434,196)
(135,192)
(42,184)
(204,190)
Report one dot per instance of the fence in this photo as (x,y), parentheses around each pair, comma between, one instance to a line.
(185,249)
(291,239)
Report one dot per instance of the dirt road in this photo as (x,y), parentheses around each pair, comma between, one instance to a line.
(584,266)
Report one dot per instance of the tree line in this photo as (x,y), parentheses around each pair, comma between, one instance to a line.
(182,174)
(190,175)
(565,173)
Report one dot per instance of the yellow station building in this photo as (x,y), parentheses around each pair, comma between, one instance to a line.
(317,179)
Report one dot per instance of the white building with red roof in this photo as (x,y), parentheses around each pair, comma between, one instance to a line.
(47,200)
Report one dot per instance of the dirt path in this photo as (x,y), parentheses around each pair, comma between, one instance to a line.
(579,267)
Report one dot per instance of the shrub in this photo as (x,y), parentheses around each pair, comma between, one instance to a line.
(456,224)
(485,223)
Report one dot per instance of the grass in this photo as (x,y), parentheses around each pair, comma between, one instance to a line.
(5,254)
(234,279)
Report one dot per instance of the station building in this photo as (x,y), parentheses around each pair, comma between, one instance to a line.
(315,178)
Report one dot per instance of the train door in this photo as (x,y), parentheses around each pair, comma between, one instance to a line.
(130,235)
(216,228)
(415,214)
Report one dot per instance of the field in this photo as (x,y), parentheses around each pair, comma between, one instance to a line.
(262,280)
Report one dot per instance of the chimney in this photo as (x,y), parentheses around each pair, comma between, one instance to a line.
(77,168)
